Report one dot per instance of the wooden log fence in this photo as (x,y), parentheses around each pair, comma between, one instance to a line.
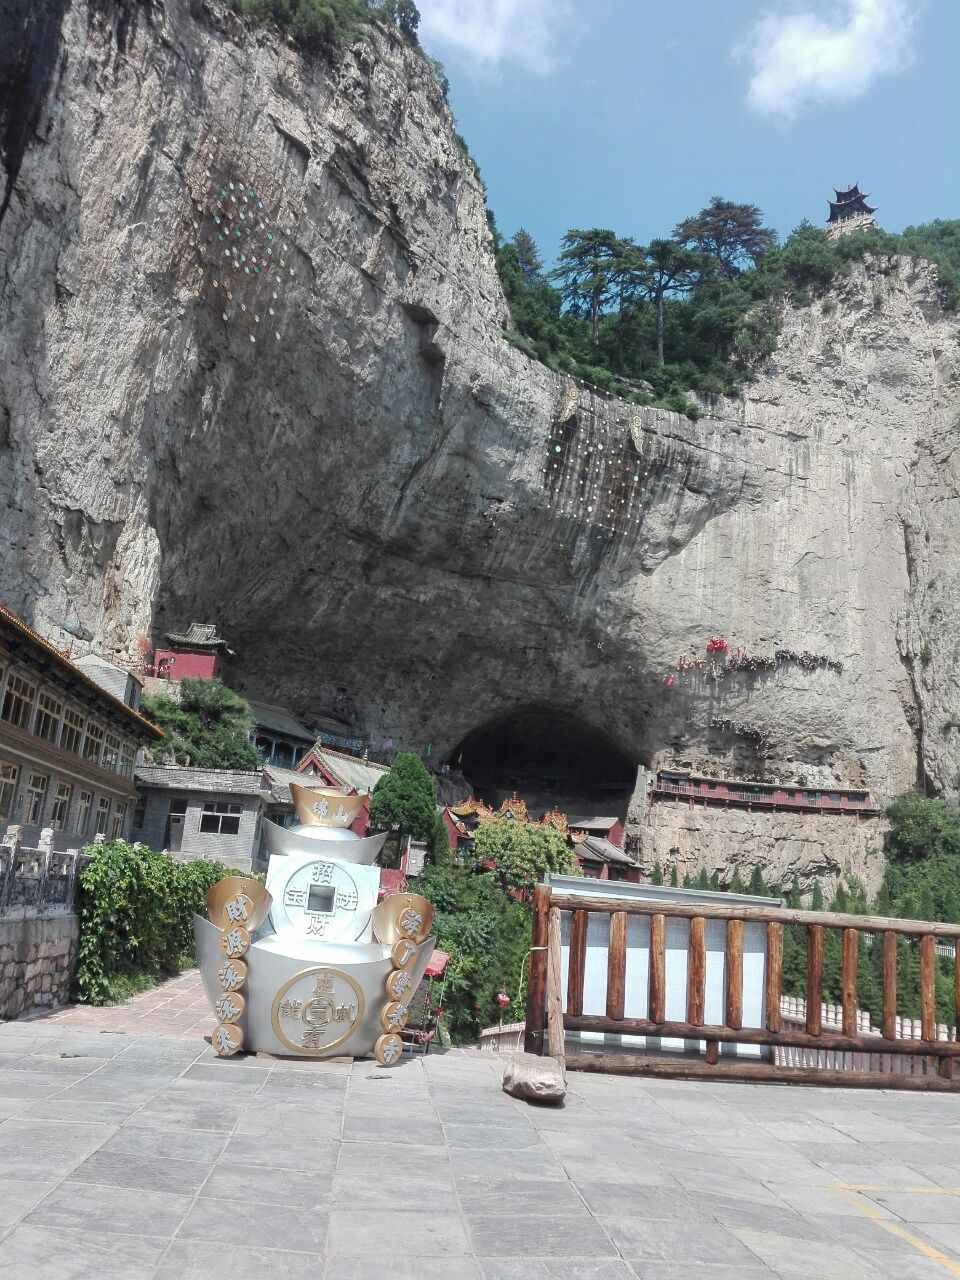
(808,1041)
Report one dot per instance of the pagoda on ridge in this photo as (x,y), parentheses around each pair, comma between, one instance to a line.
(849,212)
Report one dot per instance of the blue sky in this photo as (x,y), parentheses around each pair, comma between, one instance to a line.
(631,115)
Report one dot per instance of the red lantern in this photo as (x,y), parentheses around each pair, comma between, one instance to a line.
(503,998)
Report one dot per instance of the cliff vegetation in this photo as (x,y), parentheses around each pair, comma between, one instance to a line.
(696,312)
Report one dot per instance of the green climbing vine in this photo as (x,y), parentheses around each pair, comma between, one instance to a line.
(136,912)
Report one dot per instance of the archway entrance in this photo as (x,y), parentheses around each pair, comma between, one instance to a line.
(548,757)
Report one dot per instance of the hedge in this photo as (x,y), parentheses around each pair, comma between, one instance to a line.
(136,912)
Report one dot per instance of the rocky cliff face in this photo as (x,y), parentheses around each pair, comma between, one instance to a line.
(326,446)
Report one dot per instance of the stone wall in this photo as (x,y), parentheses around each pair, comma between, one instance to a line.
(37,956)
(812,847)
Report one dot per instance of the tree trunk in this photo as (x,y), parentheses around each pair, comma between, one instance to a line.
(660,328)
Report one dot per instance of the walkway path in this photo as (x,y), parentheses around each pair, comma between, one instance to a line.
(178,1007)
(131,1155)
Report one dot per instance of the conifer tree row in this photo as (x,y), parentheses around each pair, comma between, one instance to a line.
(693,312)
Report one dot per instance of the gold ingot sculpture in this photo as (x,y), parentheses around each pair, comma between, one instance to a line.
(403,953)
(237,900)
(393,1017)
(234,943)
(228,1038)
(388,1049)
(325,806)
(402,915)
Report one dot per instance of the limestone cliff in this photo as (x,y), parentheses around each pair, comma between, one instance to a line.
(394,516)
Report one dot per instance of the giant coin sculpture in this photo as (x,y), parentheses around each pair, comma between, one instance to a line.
(314,967)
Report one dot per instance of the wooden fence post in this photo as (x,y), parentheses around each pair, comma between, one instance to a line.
(537,982)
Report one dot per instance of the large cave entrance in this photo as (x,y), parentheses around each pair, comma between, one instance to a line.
(548,757)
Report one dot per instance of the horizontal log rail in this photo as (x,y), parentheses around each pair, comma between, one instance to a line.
(753,1035)
(750,915)
(642,1013)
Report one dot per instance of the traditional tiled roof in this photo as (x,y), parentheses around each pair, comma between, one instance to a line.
(591,823)
(276,782)
(199,635)
(348,771)
(554,818)
(514,808)
(595,849)
(15,625)
(278,720)
(175,777)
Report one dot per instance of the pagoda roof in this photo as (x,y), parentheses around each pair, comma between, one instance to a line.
(849,200)
(199,635)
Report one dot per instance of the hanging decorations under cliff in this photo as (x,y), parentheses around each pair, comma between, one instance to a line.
(244,209)
(719,660)
(592,472)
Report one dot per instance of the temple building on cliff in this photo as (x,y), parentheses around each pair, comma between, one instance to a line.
(849,212)
(594,841)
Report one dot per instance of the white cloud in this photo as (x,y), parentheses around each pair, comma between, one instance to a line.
(485,34)
(800,59)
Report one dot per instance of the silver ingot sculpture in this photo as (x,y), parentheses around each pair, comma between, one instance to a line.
(313,966)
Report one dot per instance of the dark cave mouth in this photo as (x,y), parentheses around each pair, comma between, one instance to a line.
(545,755)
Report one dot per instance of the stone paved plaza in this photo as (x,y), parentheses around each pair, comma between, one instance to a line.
(128,1153)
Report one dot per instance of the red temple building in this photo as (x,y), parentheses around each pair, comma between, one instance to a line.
(199,653)
(595,841)
(676,784)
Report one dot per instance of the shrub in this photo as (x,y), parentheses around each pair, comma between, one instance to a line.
(136,911)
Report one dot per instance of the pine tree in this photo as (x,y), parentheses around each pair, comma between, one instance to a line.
(703,880)
(405,799)
(757,886)
(730,234)
(794,897)
(736,884)
(528,256)
(656,876)
(816,902)
(674,878)
(588,262)
(715,880)
(884,900)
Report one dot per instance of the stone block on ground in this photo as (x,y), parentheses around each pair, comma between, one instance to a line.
(534,1079)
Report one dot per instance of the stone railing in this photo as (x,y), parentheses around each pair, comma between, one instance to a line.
(507,1037)
(37,882)
(794,1011)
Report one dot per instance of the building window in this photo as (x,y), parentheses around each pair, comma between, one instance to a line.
(103,815)
(93,743)
(18,701)
(61,806)
(47,724)
(119,815)
(72,733)
(220,818)
(83,812)
(9,773)
(111,752)
(139,813)
(126,760)
(36,791)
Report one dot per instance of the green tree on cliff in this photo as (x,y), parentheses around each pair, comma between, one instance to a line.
(204,724)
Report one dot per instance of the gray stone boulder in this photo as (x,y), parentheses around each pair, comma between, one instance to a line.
(534,1079)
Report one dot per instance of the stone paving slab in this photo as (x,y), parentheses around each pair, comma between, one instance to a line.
(128,1151)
